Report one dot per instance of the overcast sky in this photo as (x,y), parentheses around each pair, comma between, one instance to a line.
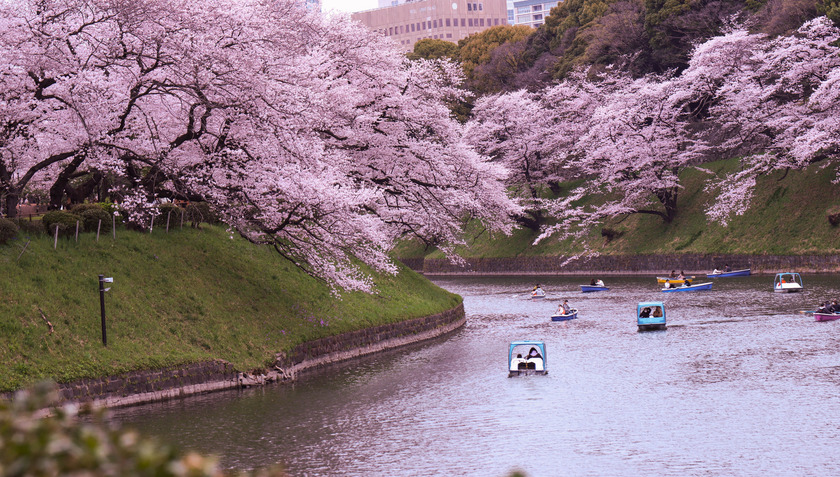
(348,5)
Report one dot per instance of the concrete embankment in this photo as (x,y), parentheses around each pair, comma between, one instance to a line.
(630,264)
(158,385)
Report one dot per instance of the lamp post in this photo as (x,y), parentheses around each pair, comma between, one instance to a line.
(102,290)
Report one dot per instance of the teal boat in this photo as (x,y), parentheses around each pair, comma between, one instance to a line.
(650,315)
(527,357)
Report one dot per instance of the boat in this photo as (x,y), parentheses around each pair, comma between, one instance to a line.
(787,282)
(734,273)
(826,316)
(674,280)
(527,357)
(684,287)
(537,294)
(650,315)
(565,317)
(592,288)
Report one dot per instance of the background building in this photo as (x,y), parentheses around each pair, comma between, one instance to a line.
(532,12)
(449,20)
(311,4)
(391,3)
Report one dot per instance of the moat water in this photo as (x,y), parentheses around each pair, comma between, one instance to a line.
(739,384)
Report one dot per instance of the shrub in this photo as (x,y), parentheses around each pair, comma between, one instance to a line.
(611,234)
(164,210)
(79,209)
(29,226)
(8,230)
(91,218)
(198,212)
(833,216)
(65,220)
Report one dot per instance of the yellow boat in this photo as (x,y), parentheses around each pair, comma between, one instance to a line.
(674,281)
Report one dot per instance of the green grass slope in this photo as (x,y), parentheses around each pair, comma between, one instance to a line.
(788,216)
(177,298)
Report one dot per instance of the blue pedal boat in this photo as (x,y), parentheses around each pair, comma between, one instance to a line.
(527,357)
(698,287)
(735,273)
(565,317)
(592,288)
(650,315)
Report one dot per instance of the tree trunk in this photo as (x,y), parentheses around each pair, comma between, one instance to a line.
(58,188)
(12,200)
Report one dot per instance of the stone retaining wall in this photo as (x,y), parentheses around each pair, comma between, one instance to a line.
(159,385)
(148,386)
(325,351)
(692,263)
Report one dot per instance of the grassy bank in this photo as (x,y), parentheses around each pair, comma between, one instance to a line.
(787,217)
(177,298)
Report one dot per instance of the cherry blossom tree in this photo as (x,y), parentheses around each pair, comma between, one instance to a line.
(313,135)
(637,143)
(535,136)
(778,109)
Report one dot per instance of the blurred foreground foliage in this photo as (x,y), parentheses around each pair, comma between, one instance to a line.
(40,439)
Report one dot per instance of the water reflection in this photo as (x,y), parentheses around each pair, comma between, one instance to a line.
(740,384)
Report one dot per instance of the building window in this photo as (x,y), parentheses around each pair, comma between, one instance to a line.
(412,28)
(449,35)
(448,22)
(469,22)
(538,17)
(424,25)
(481,22)
(463,22)
(481,6)
(390,31)
(435,24)
(469,7)
(522,10)
(536,8)
(496,22)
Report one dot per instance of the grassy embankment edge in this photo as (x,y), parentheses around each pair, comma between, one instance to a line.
(178,298)
(787,216)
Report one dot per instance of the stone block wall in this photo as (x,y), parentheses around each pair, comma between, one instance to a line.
(693,263)
(157,385)
(148,382)
(357,343)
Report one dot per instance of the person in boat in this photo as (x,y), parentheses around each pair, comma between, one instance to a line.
(673,274)
(599,283)
(667,283)
(726,268)
(534,353)
(834,307)
(823,308)
(592,283)
(687,283)
(657,312)
(564,309)
(681,276)
(716,271)
(645,312)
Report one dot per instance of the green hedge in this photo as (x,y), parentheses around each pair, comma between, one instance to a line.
(8,230)
(66,222)
(91,218)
